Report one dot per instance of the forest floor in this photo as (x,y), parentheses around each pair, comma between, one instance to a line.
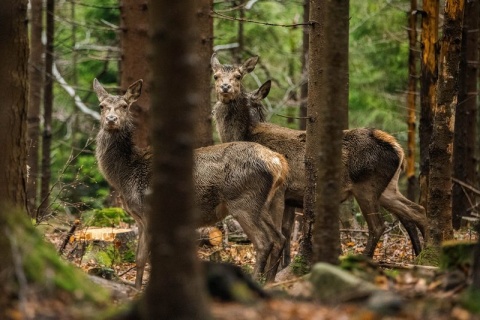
(411,292)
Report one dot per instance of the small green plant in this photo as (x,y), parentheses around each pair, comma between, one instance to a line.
(106,217)
(300,267)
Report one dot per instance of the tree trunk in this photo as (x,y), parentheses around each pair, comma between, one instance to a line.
(411,99)
(175,279)
(428,81)
(204,45)
(35,101)
(304,87)
(134,43)
(47,112)
(441,147)
(328,85)
(13,109)
(464,162)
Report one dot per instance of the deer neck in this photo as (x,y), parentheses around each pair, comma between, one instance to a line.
(233,119)
(115,153)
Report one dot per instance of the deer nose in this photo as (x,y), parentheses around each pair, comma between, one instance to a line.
(111,118)
(225,87)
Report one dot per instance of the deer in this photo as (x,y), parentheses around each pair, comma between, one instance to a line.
(372,159)
(243,179)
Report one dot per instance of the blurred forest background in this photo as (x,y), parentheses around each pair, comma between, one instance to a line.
(86,45)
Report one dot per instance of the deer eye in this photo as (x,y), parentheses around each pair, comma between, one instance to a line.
(124,106)
(238,77)
(101,106)
(215,77)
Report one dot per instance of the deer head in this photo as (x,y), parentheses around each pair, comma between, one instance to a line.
(115,109)
(228,78)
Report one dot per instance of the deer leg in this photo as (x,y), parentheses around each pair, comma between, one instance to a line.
(287,227)
(141,256)
(408,212)
(376,227)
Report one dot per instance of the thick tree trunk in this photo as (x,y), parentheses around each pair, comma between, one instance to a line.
(47,112)
(14,105)
(328,85)
(175,279)
(36,69)
(204,49)
(411,99)
(134,43)
(441,147)
(464,162)
(428,94)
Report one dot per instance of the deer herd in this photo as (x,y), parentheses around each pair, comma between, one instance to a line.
(257,173)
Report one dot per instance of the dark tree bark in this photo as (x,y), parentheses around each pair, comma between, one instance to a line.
(441,146)
(304,87)
(204,50)
(464,162)
(411,99)
(476,263)
(327,86)
(47,111)
(175,289)
(36,69)
(13,107)
(135,44)
(428,85)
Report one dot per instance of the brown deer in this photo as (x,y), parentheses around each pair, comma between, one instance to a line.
(243,179)
(373,160)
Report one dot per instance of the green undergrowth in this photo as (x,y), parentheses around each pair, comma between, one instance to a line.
(36,271)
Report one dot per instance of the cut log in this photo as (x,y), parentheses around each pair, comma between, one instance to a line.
(102,238)
(210,236)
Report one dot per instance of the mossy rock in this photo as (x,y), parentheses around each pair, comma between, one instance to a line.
(457,254)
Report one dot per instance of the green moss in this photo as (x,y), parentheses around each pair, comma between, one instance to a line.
(469,300)
(430,256)
(456,254)
(44,269)
(299,266)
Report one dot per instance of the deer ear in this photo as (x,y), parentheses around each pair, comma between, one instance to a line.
(99,90)
(263,91)
(133,92)
(214,62)
(249,65)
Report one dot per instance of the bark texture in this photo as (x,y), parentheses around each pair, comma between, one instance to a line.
(327,86)
(175,279)
(411,99)
(204,50)
(47,111)
(428,90)
(441,147)
(134,42)
(14,105)
(35,101)
(464,162)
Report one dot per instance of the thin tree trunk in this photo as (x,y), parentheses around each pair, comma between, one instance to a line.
(135,44)
(304,58)
(47,111)
(176,289)
(464,162)
(441,147)
(204,49)
(411,100)
(428,81)
(328,85)
(36,69)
